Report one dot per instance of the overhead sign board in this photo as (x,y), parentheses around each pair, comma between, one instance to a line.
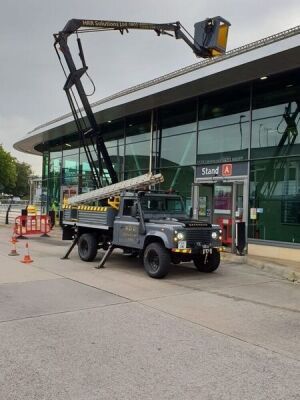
(225,171)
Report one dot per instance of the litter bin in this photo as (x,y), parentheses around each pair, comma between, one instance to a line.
(240,237)
(51,214)
(24,213)
(61,215)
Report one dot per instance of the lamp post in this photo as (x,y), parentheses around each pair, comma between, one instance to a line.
(30,181)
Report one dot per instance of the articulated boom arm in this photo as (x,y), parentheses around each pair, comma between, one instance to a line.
(75,25)
(210,40)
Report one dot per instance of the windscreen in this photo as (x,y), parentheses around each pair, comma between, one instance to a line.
(157,204)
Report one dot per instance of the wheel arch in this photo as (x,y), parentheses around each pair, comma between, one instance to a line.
(155,239)
(99,234)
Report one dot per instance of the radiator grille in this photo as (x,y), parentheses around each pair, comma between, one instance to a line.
(198,235)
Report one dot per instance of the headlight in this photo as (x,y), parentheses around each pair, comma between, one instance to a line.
(180,235)
(214,235)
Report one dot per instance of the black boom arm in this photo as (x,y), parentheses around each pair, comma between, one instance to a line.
(210,40)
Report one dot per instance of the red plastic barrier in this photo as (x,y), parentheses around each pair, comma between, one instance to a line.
(32,225)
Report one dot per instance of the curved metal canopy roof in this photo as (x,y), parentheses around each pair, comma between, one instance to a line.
(274,54)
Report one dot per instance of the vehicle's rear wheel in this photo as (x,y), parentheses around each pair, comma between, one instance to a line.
(212,262)
(87,247)
(156,260)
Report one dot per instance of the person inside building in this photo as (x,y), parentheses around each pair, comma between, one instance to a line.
(55,210)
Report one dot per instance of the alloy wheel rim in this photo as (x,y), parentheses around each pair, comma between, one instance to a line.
(153,260)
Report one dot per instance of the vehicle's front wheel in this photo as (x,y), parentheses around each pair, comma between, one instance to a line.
(156,260)
(212,262)
(87,247)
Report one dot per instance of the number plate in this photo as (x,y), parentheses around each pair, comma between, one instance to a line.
(206,251)
(182,244)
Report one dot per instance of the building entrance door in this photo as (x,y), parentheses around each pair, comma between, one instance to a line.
(223,203)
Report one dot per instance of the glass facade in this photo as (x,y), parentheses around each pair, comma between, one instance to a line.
(224,122)
(275,155)
(137,148)
(177,135)
(256,122)
(275,190)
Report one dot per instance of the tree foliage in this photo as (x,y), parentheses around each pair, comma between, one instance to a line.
(24,171)
(8,171)
(14,175)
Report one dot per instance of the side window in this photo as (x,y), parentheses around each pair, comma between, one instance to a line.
(128,203)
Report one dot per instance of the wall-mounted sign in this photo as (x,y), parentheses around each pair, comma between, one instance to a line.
(221,170)
(253,213)
(227,170)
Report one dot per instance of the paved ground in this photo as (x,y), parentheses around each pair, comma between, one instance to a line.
(69,331)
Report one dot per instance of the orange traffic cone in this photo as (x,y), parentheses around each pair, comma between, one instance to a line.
(27,259)
(13,251)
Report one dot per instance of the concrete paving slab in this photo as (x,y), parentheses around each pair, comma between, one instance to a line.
(62,339)
(261,325)
(228,274)
(12,270)
(132,286)
(133,352)
(23,300)
(279,294)
(122,276)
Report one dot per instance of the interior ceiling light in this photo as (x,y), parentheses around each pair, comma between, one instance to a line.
(262,78)
(109,122)
(68,145)
(289,85)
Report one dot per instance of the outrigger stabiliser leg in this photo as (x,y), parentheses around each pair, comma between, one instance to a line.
(66,256)
(106,255)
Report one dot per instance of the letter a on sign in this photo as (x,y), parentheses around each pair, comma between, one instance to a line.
(226,169)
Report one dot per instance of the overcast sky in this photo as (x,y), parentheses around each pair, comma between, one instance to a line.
(31,77)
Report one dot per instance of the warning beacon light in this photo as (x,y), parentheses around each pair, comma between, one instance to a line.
(211,36)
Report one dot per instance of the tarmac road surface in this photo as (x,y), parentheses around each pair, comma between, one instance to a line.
(69,331)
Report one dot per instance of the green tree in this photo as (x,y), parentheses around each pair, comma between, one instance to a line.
(8,172)
(24,171)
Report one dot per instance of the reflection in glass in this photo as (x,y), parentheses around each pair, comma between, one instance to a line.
(178,134)
(70,167)
(276,116)
(137,150)
(275,195)
(224,126)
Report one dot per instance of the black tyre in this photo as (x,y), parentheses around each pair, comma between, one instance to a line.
(212,262)
(87,247)
(156,260)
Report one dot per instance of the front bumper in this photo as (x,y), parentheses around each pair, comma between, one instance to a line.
(197,250)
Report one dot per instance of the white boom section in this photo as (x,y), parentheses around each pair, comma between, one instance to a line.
(117,188)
